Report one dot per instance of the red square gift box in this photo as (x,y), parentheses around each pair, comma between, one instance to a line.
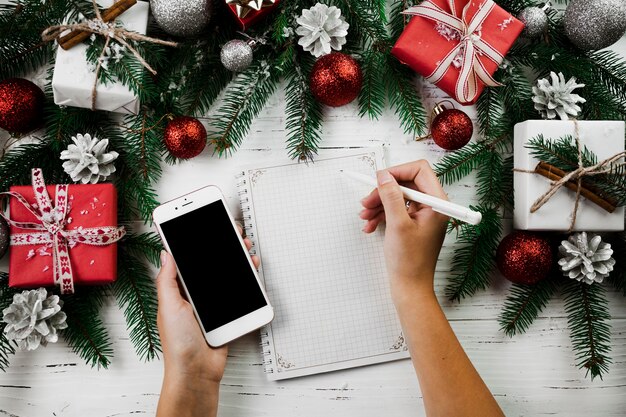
(87,234)
(457,44)
(248,12)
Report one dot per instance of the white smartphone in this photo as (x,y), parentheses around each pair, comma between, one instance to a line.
(214,265)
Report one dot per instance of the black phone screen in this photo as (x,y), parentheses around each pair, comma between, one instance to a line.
(213,265)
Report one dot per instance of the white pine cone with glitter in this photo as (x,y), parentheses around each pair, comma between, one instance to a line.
(321,28)
(586,259)
(34,319)
(87,160)
(557,99)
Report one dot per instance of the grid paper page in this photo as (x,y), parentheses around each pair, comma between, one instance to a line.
(325,278)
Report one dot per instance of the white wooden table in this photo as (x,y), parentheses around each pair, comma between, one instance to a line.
(530,375)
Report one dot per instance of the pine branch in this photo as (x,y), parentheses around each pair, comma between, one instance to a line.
(491,186)
(398,21)
(523,305)
(144,245)
(365,23)
(303,111)
(244,99)
(372,94)
(403,97)
(588,320)
(474,260)
(456,165)
(136,296)
(86,333)
(7,347)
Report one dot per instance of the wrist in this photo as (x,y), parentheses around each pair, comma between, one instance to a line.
(411,291)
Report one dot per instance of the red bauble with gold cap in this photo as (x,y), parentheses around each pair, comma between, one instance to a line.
(185,137)
(21,105)
(524,257)
(451,129)
(336,79)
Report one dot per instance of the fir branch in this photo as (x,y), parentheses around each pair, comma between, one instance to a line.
(490,112)
(403,97)
(244,99)
(372,94)
(474,260)
(456,165)
(7,347)
(303,111)
(398,21)
(610,68)
(491,186)
(523,305)
(86,333)
(142,245)
(588,320)
(136,296)
(365,23)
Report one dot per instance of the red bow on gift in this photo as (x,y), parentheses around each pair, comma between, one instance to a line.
(50,229)
(472,44)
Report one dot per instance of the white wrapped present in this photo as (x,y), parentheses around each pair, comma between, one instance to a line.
(603,138)
(74,77)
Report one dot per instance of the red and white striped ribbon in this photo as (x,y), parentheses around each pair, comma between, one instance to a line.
(472,69)
(50,229)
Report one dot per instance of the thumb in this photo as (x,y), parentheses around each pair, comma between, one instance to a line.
(391,197)
(167,285)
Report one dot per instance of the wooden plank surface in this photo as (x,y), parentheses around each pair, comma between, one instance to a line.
(531,375)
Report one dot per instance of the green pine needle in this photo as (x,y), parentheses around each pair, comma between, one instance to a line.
(136,296)
(523,305)
(372,95)
(474,260)
(403,97)
(86,333)
(588,320)
(456,165)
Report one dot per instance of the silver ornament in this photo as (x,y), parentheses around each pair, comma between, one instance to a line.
(595,24)
(4,236)
(535,22)
(34,319)
(236,55)
(586,259)
(185,18)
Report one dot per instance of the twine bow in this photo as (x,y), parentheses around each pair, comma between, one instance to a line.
(472,45)
(606,166)
(50,229)
(109,31)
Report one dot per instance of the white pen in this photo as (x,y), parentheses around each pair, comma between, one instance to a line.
(437,204)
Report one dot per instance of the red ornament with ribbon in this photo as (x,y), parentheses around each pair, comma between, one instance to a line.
(457,44)
(72,241)
(249,12)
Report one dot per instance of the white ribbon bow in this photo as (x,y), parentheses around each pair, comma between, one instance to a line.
(472,69)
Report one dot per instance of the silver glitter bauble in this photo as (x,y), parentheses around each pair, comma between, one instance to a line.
(236,55)
(4,237)
(595,24)
(535,22)
(185,18)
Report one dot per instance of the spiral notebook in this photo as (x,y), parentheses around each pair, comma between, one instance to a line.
(325,278)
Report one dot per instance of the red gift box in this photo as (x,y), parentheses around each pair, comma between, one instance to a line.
(89,206)
(457,44)
(246,15)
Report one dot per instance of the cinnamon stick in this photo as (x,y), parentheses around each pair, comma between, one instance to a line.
(587,190)
(76,36)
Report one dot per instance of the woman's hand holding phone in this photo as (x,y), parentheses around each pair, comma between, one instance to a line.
(193,369)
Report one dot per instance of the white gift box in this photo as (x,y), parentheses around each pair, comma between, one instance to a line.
(603,138)
(73,78)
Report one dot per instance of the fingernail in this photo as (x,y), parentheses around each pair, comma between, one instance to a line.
(384,177)
(163,258)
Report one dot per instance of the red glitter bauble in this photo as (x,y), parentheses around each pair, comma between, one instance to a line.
(21,105)
(336,79)
(451,128)
(524,258)
(185,137)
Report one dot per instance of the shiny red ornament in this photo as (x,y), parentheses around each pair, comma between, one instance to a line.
(451,129)
(336,79)
(524,258)
(185,137)
(21,105)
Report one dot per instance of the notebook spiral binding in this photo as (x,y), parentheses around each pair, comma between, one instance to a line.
(249,231)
